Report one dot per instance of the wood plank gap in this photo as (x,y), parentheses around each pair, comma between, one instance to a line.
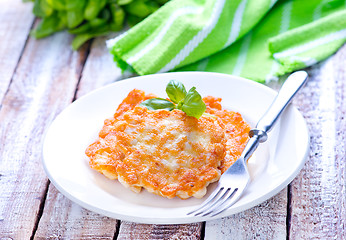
(117,230)
(289,211)
(40,211)
(203,231)
(17,64)
(87,52)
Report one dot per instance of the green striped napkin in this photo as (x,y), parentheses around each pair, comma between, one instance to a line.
(255,39)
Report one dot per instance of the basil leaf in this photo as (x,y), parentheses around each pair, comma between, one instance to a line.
(175,91)
(193,104)
(157,103)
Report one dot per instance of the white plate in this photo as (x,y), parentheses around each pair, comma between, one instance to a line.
(273,166)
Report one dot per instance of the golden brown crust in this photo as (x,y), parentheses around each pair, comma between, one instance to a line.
(236,130)
(167,152)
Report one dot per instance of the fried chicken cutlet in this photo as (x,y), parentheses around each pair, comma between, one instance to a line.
(167,152)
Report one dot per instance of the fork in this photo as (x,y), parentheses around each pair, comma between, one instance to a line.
(236,178)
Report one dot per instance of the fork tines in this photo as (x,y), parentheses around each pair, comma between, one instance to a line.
(216,203)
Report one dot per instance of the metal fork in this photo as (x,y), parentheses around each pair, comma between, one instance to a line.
(234,181)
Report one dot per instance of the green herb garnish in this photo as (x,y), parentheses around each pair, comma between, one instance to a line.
(189,102)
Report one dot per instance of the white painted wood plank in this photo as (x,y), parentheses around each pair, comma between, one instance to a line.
(63,219)
(16,20)
(100,69)
(318,193)
(43,84)
(129,231)
(266,221)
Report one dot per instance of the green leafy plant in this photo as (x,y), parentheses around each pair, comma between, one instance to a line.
(189,102)
(89,18)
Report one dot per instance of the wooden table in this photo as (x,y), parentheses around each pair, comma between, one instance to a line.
(39,78)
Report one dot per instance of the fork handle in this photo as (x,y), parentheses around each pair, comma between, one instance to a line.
(288,90)
(291,86)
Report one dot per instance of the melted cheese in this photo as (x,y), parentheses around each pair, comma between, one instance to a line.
(167,153)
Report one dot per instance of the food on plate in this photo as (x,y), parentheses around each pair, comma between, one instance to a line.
(167,151)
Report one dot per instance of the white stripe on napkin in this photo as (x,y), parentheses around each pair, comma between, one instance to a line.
(197,39)
(242,55)
(310,45)
(236,24)
(286,17)
(180,12)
